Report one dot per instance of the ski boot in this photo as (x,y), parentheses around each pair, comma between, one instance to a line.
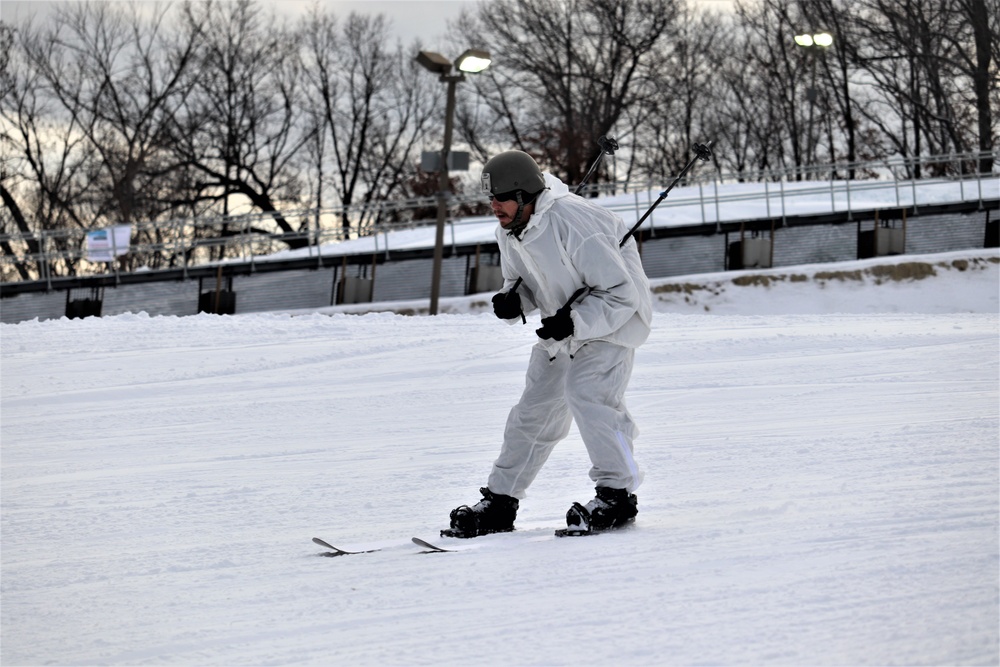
(612,508)
(493,514)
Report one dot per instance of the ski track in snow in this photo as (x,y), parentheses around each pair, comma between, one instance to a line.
(820,489)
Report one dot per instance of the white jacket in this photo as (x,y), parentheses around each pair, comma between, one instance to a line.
(570,243)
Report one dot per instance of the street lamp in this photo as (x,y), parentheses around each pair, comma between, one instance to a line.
(471,61)
(819,39)
(813,44)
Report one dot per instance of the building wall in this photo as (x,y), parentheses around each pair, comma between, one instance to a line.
(943,233)
(815,245)
(678,256)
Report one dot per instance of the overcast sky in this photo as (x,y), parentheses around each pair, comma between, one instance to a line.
(411,19)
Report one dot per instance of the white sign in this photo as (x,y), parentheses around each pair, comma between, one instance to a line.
(103,245)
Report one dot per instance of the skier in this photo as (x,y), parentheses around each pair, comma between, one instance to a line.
(561,254)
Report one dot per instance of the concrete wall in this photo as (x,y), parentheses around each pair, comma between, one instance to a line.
(410,279)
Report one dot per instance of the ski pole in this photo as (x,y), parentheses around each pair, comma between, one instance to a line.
(701,152)
(608,147)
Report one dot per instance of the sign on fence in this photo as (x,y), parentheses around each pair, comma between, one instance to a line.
(103,245)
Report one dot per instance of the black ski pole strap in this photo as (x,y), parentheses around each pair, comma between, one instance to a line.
(517,283)
(576,295)
(701,152)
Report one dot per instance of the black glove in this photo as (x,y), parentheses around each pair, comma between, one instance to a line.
(507,305)
(558,326)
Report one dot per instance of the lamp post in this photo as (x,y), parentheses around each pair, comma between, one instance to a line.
(813,43)
(472,61)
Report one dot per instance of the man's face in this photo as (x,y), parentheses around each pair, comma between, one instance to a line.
(506,210)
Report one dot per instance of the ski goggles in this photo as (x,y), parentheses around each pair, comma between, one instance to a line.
(504,196)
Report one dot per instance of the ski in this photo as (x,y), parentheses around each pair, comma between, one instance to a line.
(337,551)
(431,548)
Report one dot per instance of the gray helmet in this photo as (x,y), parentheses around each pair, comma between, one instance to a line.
(511,171)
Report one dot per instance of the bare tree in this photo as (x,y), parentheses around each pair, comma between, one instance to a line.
(680,112)
(565,72)
(241,128)
(16,110)
(90,111)
(925,56)
(371,108)
(979,59)
(836,66)
(118,75)
(47,160)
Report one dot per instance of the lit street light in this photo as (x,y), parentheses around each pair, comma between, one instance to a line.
(813,43)
(472,61)
(819,39)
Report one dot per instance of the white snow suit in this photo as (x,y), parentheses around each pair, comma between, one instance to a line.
(568,243)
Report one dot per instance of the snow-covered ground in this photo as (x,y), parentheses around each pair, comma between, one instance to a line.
(820,447)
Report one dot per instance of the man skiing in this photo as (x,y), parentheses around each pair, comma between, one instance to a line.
(561,254)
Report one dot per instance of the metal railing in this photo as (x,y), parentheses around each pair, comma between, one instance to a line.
(189,242)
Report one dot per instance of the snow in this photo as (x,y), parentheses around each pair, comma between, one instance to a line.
(820,447)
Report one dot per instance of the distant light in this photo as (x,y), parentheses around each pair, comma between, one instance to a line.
(473,61)
(823,39)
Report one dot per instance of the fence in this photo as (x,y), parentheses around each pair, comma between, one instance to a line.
(185,243)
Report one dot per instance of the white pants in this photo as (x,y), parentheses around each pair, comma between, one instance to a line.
(590,388)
